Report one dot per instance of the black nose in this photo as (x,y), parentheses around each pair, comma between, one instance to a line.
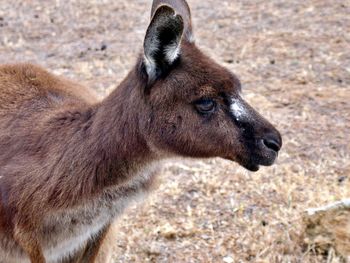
(273,142)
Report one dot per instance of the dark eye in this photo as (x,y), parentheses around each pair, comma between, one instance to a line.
(205,106)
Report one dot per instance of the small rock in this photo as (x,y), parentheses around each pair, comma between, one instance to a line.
(103,47)
(264,223)
(228,259)
(341,179)
(154,249)
(168,231)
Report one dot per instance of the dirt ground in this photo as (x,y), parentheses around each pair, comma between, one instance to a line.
(293,58)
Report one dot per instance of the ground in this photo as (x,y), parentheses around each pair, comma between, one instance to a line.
(293,58)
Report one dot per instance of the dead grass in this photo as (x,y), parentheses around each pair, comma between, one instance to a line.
(294,61)
(328,229)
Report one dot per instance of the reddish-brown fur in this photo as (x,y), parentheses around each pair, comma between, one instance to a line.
(65,153)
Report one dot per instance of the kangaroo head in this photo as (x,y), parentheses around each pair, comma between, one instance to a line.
(194,107)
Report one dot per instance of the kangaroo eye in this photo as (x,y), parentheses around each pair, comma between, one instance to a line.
(205,106)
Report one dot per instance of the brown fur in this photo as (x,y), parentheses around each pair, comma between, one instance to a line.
(67,159)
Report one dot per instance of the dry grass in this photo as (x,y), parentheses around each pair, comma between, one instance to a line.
(294,61)
(328,229)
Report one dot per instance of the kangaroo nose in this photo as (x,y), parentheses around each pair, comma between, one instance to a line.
(273,142)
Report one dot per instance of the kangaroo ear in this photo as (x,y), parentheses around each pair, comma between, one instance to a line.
(182,8)
(162,42)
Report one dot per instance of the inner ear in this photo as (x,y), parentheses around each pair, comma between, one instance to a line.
(162,42)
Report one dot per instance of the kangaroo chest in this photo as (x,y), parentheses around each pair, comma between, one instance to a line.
(68,231)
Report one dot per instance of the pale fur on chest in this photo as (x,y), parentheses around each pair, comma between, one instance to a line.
(67,231)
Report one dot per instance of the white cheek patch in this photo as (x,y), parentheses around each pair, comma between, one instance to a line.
(238,110)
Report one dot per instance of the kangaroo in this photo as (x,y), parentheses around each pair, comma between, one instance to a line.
(70,164)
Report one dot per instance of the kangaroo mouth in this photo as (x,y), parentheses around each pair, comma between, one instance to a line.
(259,158)
(254,164)
(248,164)
(253,167)
(255,157)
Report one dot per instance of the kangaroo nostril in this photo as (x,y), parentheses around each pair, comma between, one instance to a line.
(272,144)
